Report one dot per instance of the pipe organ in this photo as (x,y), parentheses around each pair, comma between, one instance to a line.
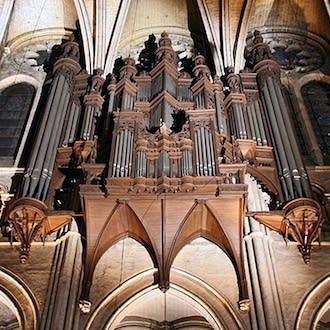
(167,123)
(154,128)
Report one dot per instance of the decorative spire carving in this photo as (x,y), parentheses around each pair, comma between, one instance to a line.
(233,80)
(97,81)
(71,49)
(201,69)
(302,221)
(165,50)
(128,71)
(256,51)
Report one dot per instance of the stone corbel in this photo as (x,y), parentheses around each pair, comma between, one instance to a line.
(29,219)
(300,219)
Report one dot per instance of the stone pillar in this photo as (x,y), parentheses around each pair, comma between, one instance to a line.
(266,310)
(64,283)
(42,159)
(5,14)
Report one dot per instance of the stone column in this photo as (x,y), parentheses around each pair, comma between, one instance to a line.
(64,283)
(266,310)
(5,14)
(42,159)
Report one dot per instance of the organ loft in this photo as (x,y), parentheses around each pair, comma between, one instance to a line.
(159,170)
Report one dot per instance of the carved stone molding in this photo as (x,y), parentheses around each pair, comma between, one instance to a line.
(294,50)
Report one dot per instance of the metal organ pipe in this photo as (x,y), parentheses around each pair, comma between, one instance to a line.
(123,148)
(208,154)
(212,154)
(42,143)
(198,155)
(40,137)
(219,113)
(278,142)
(86,123)
(69,124)
(75,121)
(203,153)
(255,121)
(293,141)
(281,125)
(260,123)
(52,147)
(129,158)
(252,123)
(118,154)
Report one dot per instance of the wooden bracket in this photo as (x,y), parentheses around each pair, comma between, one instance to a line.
(29,218)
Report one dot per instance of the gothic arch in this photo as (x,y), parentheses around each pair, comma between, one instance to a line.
(218,312)
(30,82)
(295,86)
(313,302)
(22,299)
(121,222)
(202,221)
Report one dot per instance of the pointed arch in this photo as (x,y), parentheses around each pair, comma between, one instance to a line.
(122,222)
(22,298)
(23,80)
(312,304)
(201,221)
(217,310)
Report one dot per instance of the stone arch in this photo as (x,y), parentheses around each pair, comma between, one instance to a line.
(191,258)
(28,102)
(20,297)
(316,95)
(306,129)
(313,303)
(123,301)
(194,293)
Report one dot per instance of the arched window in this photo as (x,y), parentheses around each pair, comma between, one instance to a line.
(15,104)
(316,95)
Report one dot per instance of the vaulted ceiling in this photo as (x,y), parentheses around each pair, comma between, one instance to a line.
(112,27)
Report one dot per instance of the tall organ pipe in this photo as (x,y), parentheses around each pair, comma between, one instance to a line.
(278,142)
(44,151)
(284,134)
